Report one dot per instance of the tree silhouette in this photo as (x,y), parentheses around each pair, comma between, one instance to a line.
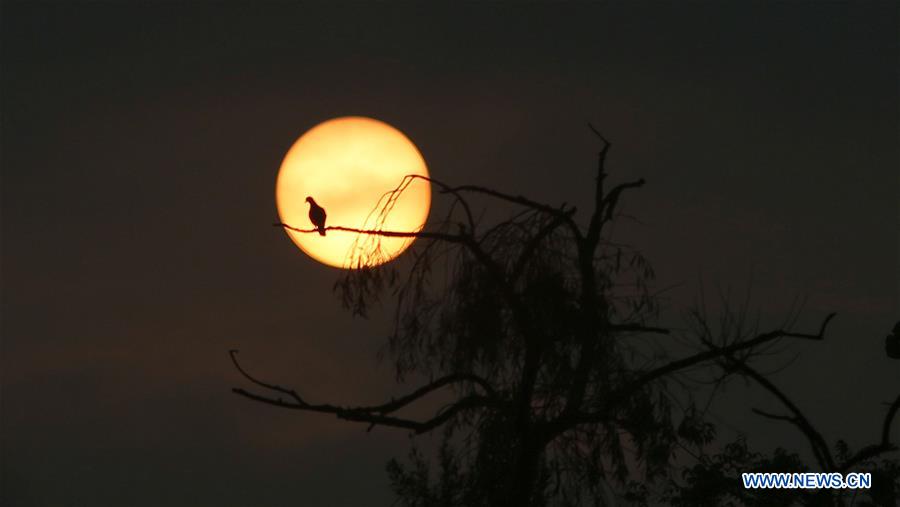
(542,332)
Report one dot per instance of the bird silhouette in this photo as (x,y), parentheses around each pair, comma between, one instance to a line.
(892,343)
(316,215)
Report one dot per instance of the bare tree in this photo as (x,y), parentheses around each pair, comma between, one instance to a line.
(543,329)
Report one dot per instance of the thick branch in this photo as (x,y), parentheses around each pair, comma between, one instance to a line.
(596,223)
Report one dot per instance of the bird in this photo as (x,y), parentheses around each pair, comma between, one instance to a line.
(892,343)
(316,215)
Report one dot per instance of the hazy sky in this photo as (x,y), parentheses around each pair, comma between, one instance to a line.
(140,144)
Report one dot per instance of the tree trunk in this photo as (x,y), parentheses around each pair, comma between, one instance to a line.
(522,485)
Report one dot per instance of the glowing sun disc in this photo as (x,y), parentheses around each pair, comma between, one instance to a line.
(347,165)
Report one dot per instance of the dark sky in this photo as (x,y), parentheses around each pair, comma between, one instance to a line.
(140,144)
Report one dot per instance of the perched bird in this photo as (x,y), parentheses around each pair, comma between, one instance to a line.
(316,215)
(892,343)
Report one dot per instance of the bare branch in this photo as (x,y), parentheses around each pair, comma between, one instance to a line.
(596,223)
(612,199)
(777,417)
(376,414)
(290,392)
(516,199)
(452,238)
(463,239)
(568,420)
(882,447)
(637,328)
(444,189)
(816,441)
(458,378)
(730,349)
(597,133)
(374,418)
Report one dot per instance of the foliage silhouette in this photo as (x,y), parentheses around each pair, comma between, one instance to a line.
(543,332)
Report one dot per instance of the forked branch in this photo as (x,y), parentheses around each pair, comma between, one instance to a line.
(797,418)
(376,415)
(643,380)
(604,202)
(715,353)
(882,447)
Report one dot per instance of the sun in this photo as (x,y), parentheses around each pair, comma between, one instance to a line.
(347,165)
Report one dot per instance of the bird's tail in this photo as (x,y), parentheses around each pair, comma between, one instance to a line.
(321,230)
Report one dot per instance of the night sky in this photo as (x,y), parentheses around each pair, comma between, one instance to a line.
(140,145)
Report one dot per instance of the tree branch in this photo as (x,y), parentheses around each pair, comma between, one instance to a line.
(462,239)
(888,419)
(376,414)
(730,349)
(593,233)
(451,238)
(816,449)
(882,447)
(816,441)
(516,199)
(568,420)
(535,241)
(612,199)
(587,247)
(290,392)
(444,189)
(375,419)
(637,328)
(776,417)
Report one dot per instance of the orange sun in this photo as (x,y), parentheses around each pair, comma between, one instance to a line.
(347,165)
